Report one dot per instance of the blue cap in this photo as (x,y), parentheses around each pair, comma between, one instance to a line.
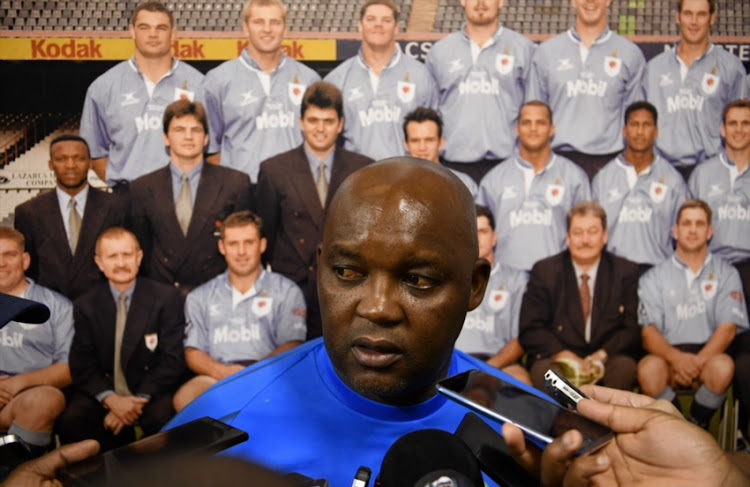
(23,310)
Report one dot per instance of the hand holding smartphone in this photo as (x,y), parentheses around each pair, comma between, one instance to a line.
(202,436)
(540,420)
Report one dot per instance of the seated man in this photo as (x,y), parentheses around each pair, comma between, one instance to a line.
(581,306)
(490,332)
(126,358)
(641,192)
(33,358)
(241,316)
(394,289)
(691,308)
(531,192)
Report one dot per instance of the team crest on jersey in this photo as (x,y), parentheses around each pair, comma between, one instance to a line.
(128,99)
(612,66)
(657,192)
(504,63)
(456,65)
(296,91)
(183,93)
(708,288)
(262,306)
(614,194)
(151,340)
(555,193)
(710,83)
(405,90)
(499,299)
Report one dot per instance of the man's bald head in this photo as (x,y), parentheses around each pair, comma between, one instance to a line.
(397,273)
(429,186)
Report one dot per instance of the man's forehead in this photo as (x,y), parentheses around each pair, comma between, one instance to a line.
(742,113)
(8,244)
(152,18)
(585,220)
(240,231)
(120,242)
(425,125)
(314,111)
(693,214)
(264,11)
(68,146)
(379,10)
(185,120)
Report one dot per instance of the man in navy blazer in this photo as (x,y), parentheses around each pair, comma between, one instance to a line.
(176,211)
(553,323)
(293,192)
(45,221)
(107,403)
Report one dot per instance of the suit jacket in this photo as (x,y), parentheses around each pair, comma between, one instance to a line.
(288,202)
(53,265)
(552,318)
(155,310)
(170,256)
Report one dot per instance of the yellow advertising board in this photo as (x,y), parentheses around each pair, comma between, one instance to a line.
(190,49)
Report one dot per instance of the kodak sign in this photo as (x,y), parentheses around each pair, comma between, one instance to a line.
(100,49)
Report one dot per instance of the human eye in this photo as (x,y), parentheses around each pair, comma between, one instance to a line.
(419,281)
(348,273)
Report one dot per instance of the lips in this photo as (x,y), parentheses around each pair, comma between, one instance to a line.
(375,354)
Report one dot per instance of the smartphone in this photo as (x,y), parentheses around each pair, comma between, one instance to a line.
(566,393)
(204,436)
(13,450)
(490,449)
(540,420)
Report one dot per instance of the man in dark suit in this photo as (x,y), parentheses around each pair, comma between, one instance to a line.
(61,226)
(581,306)
(176,211)
(294,189)
(118,385)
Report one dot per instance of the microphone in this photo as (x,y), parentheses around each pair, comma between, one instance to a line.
(429,457)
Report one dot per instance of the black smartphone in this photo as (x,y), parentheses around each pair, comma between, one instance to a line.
(13,450)
(489,447)
(566,393)
(204,436)
(540,420)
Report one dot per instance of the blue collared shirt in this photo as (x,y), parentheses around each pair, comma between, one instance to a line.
(64,200)
(315,163)
(194,177)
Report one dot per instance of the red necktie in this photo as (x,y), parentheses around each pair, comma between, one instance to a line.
(585,297)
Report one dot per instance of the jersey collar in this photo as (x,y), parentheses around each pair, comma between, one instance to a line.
(395,58)
(603,37)
(252,65)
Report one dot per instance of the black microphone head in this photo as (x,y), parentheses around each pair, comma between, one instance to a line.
(424,457)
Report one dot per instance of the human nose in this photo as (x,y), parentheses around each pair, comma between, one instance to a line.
(379,304)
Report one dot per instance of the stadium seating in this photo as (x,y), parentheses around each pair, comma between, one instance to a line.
(631,17)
